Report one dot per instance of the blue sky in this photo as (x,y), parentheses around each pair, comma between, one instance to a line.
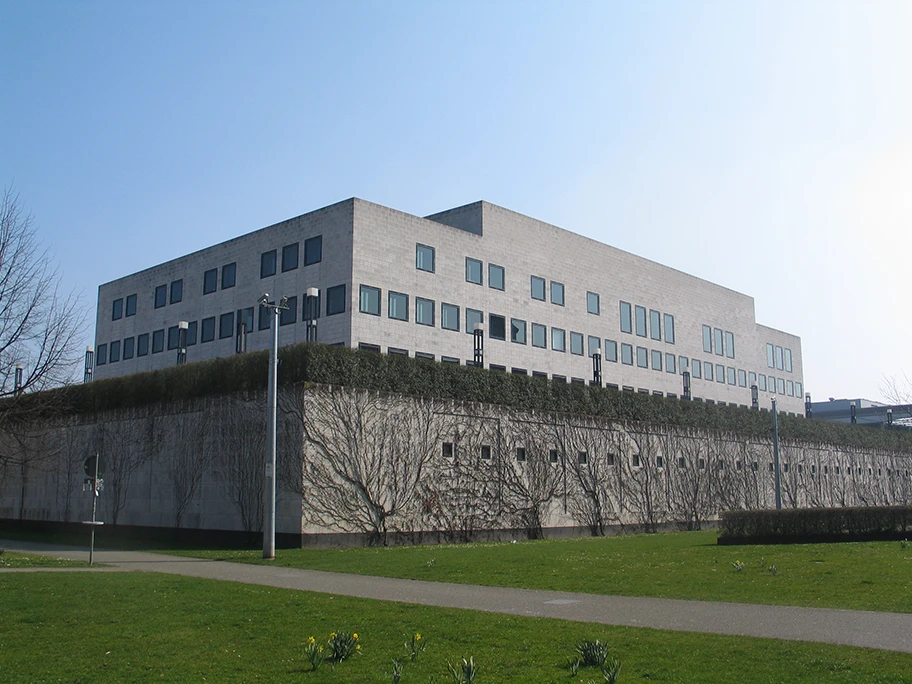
(765,146)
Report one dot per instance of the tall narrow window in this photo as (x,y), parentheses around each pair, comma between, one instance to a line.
(729,344)
(640,321)
(424,258)
(335,300)
(229,275)
(131,305)
(142,344)
(626,318)
(161,296)
(290,315)
(117,310)
(517,331)
(226,325)
(210,281)
(289,257)
(158,341)
(177,291)
(642,357)
(473,316)
(313,250)
(769,356)
(268,264)
(424,311)
(539,335)
(707,339)
(592,303)
(128,347)
(558,339)
(718,342)
(779,364)
(655,325)
(497,327)
(557,293)
(576,343)
(627,354)
(611,351)
(669,328)
(788,360)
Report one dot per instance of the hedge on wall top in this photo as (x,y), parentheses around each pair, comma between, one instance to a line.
(333,365)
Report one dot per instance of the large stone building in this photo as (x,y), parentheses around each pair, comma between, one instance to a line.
(396,283)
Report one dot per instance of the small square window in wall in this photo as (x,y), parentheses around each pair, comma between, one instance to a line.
(268,264)
(640,321)
(520,454)
(472,317)
(655,325)
(114,352)
(497,327)
(517,331)
(226,325)
(669,328)
(656,360)
(397,306)
(449,317)
(229,275)
(161,296)
(538,288)
(101,354)
(131,305)
(290,257)
(486,452)
(158,341)
(177,291)
(627,354)
(424,311)
(142,344)
(729,344)
(117,310)
(373,348)
(447,450)
(539,336)
(370,300)
(558,340)
(424,258)
(335,300)
(592,303)
(173,337)
(576,343)
(553,456)
(496,277)
(557,293)
(611,351)
(290,315)
(582,457)
(473,271)
(207,328)
(313,250)
(210,281)
(129,347)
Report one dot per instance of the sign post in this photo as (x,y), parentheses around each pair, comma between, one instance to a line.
(94,484)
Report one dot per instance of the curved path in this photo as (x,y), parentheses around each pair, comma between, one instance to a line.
(888,631)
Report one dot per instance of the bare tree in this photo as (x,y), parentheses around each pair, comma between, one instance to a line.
(240,457)
(190,445)
(124,446)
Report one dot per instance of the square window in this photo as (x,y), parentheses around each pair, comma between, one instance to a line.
(424,311)
(640,321)
(191,333)
(707,339)
(370,300)
(497,327)
(289,257)
(142,344)
(558,339)
(611,351)
(131,305)
(592,303)
(177,291)
(517,331)
(729,344)
(538,288)
(114,352)
(496,277)
(268,264)
(290,315)
(655,325)
(158,341)
(626,318)
(335,300)
(473,316)
(207,328)
(226,325)
(161,295)
(313,250)
(670,363)
(424,258)
(718,342)
(101,355)
(397,306)
(576,343)
(449,317)
(229,275)
(627,354)
(539,335)
(173,337)
(129,345)
(557,293)
(594,345)
(210,281)
(117,310)
(669,329)
(473,271)
(656,360)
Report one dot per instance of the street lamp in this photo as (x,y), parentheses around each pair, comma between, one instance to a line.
(808,409)
(890,417)
(311,313)
(182,327)
(755,397)
(269,485)
(685,377)
(776,454)
(852,412)
(89,364)
(597,366)
(17,387)
(478,336)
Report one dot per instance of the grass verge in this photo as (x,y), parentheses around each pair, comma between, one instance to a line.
(9,559)
(114,627)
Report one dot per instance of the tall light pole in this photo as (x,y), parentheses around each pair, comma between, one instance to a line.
(478,337)
(89,364)
(269,485)
(597,366)
(776,454)
(685,378)
(182,327)
(755,397)
(311,312)
(17,380)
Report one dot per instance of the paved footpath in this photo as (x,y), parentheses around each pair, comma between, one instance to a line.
(889,631)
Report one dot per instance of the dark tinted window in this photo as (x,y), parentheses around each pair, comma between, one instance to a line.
(268,264)
(289,257)
(210,280)
(313,250)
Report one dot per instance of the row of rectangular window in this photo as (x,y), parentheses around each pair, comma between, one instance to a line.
(229,278)
(718,340)
(474,274)
(556,289)
(313,254)
(634,317)
(161,297)
(118,310)
(779,358)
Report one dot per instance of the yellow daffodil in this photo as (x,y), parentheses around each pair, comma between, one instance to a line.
(355,636)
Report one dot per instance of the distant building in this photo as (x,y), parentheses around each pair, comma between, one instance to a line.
(862,412)
(394,283)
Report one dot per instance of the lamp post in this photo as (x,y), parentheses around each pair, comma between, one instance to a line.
(182,327)
(889,417)
(776,455)
(478,336)
(17,387)
(852,412)
(685,377)
(597,366)
(311,312)
(755,397)
(269,485)
(89,364)
(808,409)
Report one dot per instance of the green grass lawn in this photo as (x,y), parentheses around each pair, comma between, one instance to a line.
(684,565)
(139,627)
(24,560)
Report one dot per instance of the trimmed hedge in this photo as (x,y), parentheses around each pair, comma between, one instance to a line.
(815,524)
(334,365)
